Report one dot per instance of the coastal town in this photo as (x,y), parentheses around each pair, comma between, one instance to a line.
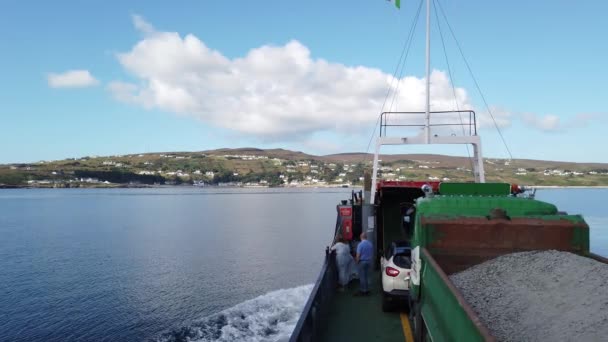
(283,168)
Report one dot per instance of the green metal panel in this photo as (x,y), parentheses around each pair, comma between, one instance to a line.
(445,318)
(481,206)
(581,233)
(479,189)
(478,206)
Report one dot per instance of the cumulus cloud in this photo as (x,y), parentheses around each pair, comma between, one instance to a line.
(585,119)
(142,25)
(123,91)
(323,146)
(547,123)
(270,92)
(554,123)
(72,79)
(497,116)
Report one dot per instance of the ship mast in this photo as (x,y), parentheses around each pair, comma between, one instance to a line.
(428,73)
(428,138)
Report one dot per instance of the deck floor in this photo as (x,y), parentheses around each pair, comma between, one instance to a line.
(361,318)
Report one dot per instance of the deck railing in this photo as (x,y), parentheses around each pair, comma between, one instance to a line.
(460,122)
(317,307)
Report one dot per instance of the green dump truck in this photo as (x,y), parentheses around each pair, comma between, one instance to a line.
(469,224)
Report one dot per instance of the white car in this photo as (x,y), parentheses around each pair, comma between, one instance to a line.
(396,268)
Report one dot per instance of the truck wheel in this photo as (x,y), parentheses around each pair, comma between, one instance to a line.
(387,305)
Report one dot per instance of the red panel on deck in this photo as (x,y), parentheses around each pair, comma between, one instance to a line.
(346,211)
(347,229)
(346,219)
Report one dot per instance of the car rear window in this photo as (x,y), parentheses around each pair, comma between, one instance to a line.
(402,260)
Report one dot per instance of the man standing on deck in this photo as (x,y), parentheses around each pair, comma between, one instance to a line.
(364,263)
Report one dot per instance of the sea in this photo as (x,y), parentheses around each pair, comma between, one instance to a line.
(178,264)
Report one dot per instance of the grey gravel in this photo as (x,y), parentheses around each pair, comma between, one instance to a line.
(539,296)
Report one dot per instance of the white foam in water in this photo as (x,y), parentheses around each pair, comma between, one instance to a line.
(269,317)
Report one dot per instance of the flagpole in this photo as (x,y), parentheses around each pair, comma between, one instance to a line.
(428,72)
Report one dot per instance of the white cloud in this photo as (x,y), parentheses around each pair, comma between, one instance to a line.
(72,79)
(502,118)
(271,92)
(585,119)
(323,146)
(552,123)
(123,91)
(142,25)
(547,123)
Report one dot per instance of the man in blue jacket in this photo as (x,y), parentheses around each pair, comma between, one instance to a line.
(364,263)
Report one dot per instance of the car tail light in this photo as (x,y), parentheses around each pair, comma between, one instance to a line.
(391,272)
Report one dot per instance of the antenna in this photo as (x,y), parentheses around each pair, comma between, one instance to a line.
(428,73)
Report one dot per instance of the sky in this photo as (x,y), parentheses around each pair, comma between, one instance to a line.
(84,78)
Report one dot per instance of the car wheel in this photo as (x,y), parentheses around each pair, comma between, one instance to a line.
(387,304)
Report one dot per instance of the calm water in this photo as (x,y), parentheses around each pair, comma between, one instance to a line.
(128,265)
(591,203)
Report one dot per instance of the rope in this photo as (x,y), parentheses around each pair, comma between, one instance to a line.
(475,80)
(404,52)
(411,39)
(452,81)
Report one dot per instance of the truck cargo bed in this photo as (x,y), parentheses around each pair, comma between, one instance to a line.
(459,244)
(454,233)
(539,295)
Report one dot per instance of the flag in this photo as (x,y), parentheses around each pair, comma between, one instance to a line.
(398,4)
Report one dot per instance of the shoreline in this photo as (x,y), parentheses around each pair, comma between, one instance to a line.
(126,186)
(568,186)
(141,186)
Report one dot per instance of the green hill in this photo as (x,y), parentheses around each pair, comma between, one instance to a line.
(280,167)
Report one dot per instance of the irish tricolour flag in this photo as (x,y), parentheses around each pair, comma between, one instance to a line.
(397,3)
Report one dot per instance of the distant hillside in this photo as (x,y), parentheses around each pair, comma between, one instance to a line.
(363,157)
(274,153)
(279,167)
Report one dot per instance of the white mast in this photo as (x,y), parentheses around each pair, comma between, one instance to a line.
(474,139)
(428,73)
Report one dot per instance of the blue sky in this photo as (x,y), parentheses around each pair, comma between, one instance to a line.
(299,75)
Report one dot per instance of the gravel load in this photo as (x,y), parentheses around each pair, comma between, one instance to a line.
(539,296)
